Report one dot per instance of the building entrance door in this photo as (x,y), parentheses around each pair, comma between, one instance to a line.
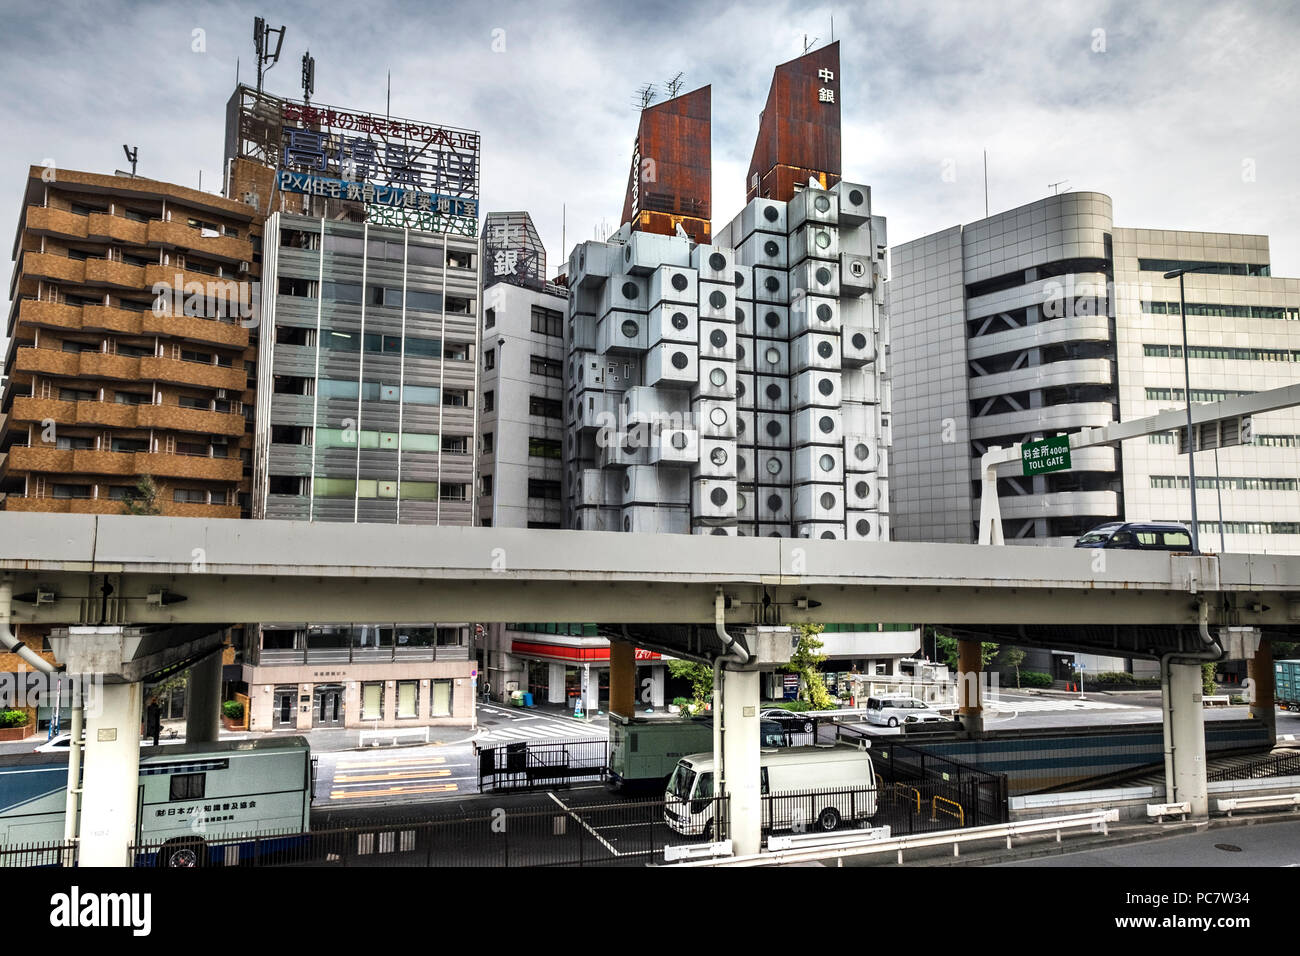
(328,706)
(286,702)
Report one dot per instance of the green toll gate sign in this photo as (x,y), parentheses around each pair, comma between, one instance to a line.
(1041,457)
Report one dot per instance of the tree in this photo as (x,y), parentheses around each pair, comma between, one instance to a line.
(1208,686)
(700,676)
(145,500)
(1014,657)
(804,662)
(947,647)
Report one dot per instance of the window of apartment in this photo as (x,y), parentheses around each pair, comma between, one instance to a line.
(133,398)
(80,255)
(490,359)
(372,700)
(457,352)
(192,448)
(130,444)
(72,346)
(489,401)
(123,492)
(424,301)
(194,401)
(136,215)
(421,395)
(485,485)
(297,239)
(380,295)
(489,318)
(285,484)
(456,446)
(347,293)
(457,259)
(190,496)
(426,256)
(134,351)
(546,321)
(423,348)
(344,245)
(548,490)
(489,443)
(77,395)
(441,698)
(82,210)
(544,448)
(408,698)
(548,368)
(72,491)
(74,442)
(288,335)
(448,491)
(188,355)
(545,407)
(459,305)
(455,396)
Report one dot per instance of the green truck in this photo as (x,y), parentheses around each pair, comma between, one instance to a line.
(644,751)
(1286,684)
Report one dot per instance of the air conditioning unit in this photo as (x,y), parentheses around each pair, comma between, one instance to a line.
(857,348)
(244,266)
(672,364)
(718,301)
(861,491)
(221,393)
(818,426)
(861,454)
(717,379)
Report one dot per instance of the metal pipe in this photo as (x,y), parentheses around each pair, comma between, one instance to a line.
(7,636)
(71,814)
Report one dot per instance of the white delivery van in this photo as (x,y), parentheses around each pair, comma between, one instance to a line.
(890,710)
(843,769)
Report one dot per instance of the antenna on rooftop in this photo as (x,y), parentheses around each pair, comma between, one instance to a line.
(266,57)
(308,76)
(645,95)
(808,45)
(1056,187)
(132,153)
(675,84)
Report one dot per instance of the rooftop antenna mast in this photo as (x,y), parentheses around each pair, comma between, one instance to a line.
(807,45)
(674,85)
(266,57)
(645,96)
(1056,187)
(131,154)
(308,76)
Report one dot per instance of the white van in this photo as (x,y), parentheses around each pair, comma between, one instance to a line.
(890,710)
(688,802)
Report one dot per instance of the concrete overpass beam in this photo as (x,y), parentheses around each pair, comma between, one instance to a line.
(202,723)
(111,776)
(1263,702)
(970,698)
(740,754)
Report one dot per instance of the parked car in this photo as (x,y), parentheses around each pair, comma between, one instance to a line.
(926,717)
(789,720)
(890,710)
(1138,536)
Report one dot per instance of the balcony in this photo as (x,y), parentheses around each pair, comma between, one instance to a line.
(154,368)
(117,275)
(56,222)
(90,462)
(45,265)
(46,361)
(182,236)
(51,315)
(229,286)
(105,318)
(113,415)
(118,228)
(112,506)
(100,318)
(231,334)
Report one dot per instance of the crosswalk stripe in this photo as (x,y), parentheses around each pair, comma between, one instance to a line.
(407,762)
(392,791)
(391,775)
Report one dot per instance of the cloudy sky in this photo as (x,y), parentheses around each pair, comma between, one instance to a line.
(1184,113)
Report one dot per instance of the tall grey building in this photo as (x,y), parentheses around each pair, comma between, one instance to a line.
(1047,319)
(737,387)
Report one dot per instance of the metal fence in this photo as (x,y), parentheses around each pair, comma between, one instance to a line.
(531,765)
(46,853)
(1248,768)
(609,834)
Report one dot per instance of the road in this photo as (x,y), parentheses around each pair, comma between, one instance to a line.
(1266,844)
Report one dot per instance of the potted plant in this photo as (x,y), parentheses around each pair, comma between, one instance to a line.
(16,725)
(232,715)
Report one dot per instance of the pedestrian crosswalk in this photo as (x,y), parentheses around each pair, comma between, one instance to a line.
(538,727)
(364,777)
(1051,705)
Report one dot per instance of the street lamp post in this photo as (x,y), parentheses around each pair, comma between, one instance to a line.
(1187,395)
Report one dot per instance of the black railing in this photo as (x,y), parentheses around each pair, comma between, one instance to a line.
(1276,765)
(526,764)
(47,853)
(611,834)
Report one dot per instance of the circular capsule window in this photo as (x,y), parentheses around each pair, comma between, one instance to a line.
(826,424)
(717,261)
(680,282)
(822,204)
(823,239)
(718,339)
(772,320)
(825,312)
(719,496)
(861,452)
(826,462)
(823,276)
(863,527)
(772,284)
(740,393)
(771,214)
(771,249)
(627,523)
(679,441)
(825,349)
(740,279)
(828,535)
(859,340)
(860,489)
(773,502)
(774,429)
(827,500)
(718,416)
(773,468)
(856,197)
(680,321)
(773,356)
(773,392)
(630,328)
(718,299)
(718,377)
(718,530)
(680,361)
(825,386)
(629,290)
(718,456)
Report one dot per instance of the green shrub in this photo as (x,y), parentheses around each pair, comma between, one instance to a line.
(233,709)
(13,718)
(1111,677)
(797,706)
(681,702)
(1035,679)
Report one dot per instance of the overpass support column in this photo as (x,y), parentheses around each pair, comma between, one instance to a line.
(111,775)
(202,719)
(740,754)
(1263,703)
(1185,738)
(622,679)
(970,700)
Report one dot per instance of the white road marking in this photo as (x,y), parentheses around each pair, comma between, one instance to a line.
(603,842)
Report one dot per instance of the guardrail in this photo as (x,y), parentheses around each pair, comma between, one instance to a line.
(692,851)
(1162,810)
(1216,700)
(392,733)
(796,841)
(1259,803)
(1096,821)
